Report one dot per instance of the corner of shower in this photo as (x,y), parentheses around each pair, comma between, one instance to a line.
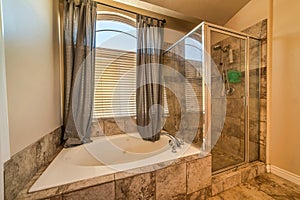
(221,76)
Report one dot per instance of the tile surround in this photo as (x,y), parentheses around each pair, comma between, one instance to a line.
(231,178)
(20,169)
(177,181)
(137,187)
(113,126)
(199,169)
(104,191)
(169,182)
(79,185)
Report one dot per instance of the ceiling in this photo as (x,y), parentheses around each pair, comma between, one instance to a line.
(214,11)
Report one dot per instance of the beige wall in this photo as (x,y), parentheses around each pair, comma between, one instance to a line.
(285,107)
(32,70)
(4,132)
(255,11)
(246,17)
(4,140)
(284,102)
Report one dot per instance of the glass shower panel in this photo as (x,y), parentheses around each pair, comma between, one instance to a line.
(254,97)
(183,82)
(228,97)
(193,73)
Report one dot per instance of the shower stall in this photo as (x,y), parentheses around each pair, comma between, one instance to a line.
(214,101)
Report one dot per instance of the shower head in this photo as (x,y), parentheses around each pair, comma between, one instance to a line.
(224,49)
(217,47)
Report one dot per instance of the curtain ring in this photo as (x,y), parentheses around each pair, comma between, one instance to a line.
(152,22)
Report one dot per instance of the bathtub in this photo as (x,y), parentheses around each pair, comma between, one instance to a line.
(108,155)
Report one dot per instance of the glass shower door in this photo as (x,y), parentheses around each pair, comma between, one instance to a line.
(228,98)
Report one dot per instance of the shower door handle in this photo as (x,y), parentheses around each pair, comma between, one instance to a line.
(245,100)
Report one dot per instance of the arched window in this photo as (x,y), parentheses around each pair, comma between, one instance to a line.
(193,49)
(115,58)
(115,31)
(115,67)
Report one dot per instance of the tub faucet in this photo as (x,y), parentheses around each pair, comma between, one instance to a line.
(174,142)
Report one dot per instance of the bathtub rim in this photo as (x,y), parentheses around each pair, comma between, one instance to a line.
(118,174)
(97,180)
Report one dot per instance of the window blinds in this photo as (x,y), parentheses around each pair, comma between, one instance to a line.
(194,89)
(114,83)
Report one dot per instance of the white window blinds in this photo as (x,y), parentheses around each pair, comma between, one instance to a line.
(193,67)
(193,89)
(115,83)
(115,67)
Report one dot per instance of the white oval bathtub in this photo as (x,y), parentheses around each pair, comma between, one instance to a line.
(107,155)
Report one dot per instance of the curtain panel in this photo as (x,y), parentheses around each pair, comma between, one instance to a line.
(79,61)
(149,94)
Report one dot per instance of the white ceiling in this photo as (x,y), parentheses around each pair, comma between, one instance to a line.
(214,11)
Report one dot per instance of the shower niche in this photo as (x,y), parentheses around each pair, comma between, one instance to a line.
(221,70)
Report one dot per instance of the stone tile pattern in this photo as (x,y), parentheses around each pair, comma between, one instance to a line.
(20,169)
(234,177)
(113,126)
(171,182)
(136,187)
(263,187)
(198,170)
(100,192)
(231,140)
(188,178)
(184,179)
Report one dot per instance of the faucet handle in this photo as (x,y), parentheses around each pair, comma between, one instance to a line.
(174,149)
(181,141)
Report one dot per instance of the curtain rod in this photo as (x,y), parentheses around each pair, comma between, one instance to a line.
(162,20)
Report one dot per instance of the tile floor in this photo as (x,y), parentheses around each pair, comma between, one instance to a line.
(263,187)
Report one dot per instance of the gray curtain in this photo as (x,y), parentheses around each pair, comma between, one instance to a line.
(149,94)
(79,61)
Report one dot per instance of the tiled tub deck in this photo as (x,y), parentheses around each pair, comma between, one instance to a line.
(174,179)
(184,178)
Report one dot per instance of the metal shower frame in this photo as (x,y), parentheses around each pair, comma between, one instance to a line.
(206,29)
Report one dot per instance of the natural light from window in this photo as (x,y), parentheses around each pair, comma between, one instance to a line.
(115,58)
(193,49)
(115,35)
